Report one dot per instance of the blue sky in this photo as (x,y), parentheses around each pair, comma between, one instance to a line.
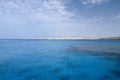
(59,18)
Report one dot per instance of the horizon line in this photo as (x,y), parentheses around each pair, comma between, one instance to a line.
(102,38)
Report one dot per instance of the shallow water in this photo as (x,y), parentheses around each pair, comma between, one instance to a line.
(59,60)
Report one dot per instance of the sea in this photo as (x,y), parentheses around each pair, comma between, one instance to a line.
(59,59)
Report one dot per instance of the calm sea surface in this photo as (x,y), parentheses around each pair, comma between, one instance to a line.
(59,60)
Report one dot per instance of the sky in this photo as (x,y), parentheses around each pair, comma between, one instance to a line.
(59,18)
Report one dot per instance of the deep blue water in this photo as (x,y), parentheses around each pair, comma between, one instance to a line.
(59,60)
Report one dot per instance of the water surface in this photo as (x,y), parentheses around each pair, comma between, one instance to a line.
(59,60)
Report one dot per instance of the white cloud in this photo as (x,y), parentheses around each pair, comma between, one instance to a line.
(40,10)
(45,11)
(94,2)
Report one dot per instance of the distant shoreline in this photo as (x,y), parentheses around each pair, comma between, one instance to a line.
(110,38)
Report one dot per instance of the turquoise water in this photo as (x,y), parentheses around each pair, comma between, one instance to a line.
(59,60)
